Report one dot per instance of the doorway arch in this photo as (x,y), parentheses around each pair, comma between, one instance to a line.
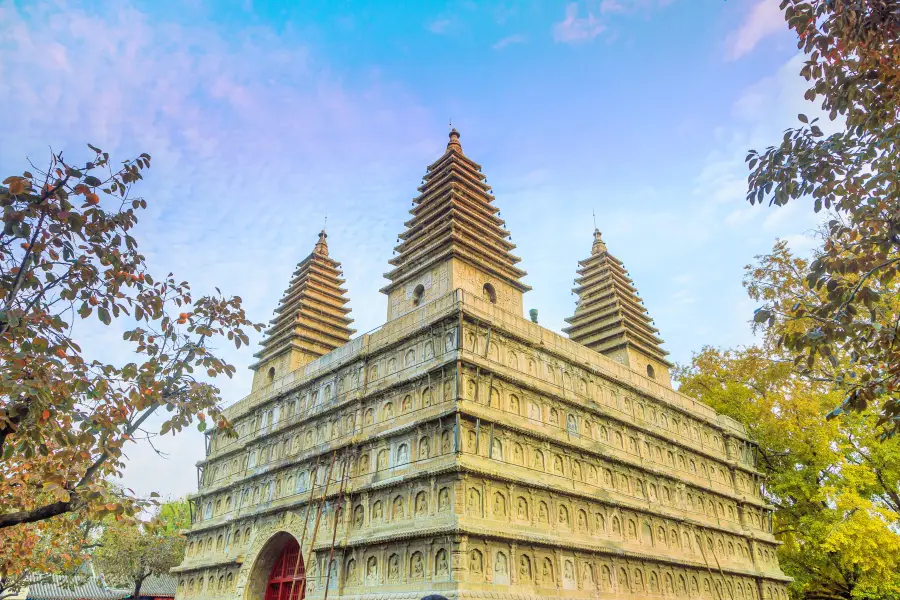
(286,578)
(271,573)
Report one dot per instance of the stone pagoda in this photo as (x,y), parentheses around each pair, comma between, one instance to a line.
(311,319)
(465,451)
(610,316)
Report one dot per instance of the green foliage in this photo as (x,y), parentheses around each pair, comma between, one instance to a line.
(834,482)
(175,516)
(853,67)
(130,550)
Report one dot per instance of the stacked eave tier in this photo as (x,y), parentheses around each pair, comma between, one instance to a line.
(454,217)
(609,315)
(312,315)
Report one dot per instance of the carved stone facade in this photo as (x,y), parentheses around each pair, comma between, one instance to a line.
(466,451)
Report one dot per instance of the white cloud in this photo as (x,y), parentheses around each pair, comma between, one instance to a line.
(509,40)
(574,29)
(438,26)
(765,18)
(612,6)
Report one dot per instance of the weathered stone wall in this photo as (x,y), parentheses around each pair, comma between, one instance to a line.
(386,415)
(473,279)
(494,466)
(434,283)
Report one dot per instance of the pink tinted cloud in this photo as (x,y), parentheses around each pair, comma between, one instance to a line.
(575,29)
(252,142)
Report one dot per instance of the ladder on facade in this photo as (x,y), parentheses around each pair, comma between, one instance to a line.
(301,577)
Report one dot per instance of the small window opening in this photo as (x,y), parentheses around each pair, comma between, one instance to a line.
(418,294)
(651,373)
(270,376)
(489,294)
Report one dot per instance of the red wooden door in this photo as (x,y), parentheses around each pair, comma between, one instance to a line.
(286,579)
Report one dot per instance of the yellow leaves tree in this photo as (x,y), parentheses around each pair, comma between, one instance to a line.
(834,482)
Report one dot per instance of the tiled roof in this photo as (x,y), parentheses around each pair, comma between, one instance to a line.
(159,585)
(60,587)
(54,587)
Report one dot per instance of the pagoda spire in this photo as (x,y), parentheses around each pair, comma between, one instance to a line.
(610,316)
(311,319)
(453,145)
(454,240)
(321,246)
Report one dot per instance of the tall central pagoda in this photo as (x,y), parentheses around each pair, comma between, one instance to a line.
(455,240)
(465,451)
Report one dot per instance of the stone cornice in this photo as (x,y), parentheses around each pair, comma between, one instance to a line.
(535,337)
(541,387)
(474,411)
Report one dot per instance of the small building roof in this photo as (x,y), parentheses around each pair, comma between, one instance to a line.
(55,587)
(62,587)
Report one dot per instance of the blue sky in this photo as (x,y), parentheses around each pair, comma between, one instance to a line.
(263,117)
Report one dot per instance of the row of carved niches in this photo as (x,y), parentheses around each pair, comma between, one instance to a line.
(208,583)
(377,459)
(400,405)
(547,570)
(517,510)
(408,453)
(349,380)
(406,403)
(527,458)
(526,568)
(517,455)
(512,510)
(608,435)
(567,376)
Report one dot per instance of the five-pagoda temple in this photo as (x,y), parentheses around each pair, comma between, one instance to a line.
(465,451)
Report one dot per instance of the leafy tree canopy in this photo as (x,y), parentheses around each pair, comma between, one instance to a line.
(835,483)
(68,254)
(853,69)
(130,550)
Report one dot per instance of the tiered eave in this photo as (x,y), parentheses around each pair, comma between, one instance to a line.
(312,316)
(610,315)
(454,216)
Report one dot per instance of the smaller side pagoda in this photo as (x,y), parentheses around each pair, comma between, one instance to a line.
(311,320)
(610,317)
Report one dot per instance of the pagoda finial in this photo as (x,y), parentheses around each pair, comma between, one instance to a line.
(599,246)
(454,144)
(322,245)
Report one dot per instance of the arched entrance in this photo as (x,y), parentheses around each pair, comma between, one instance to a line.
(286,579)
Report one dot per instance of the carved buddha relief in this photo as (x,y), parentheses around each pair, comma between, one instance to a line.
(524,568)
(441,563)
(421,504)
(394,567)
(476,562)
(417,566)
(501,568)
